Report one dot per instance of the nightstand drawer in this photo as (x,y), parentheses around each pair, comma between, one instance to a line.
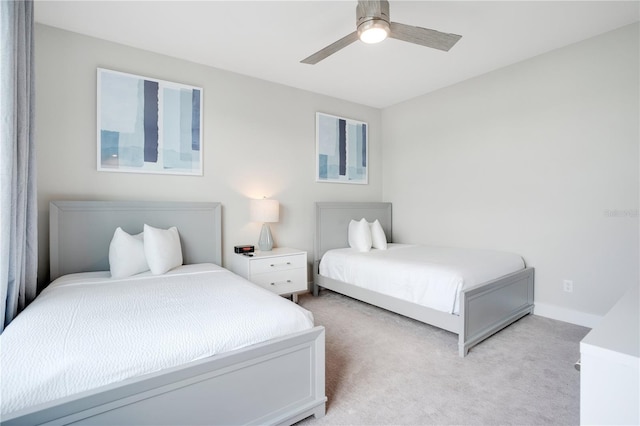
(280,263)
(282,270)
(284,281)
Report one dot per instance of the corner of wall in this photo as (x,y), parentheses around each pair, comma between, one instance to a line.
(567,315)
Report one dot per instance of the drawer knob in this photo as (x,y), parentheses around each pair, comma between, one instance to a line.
(277,264)
(285,282)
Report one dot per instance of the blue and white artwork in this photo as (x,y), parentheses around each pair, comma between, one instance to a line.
(147,125)
(341,150)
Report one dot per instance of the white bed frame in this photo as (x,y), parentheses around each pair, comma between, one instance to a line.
(484,309)
(280,381)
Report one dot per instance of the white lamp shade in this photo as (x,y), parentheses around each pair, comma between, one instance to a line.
(264,210)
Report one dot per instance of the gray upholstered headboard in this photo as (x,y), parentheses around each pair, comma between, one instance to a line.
(332,222)
(80,231)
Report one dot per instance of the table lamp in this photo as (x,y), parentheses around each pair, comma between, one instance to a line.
(265,211)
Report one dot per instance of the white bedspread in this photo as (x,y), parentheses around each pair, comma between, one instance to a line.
(425,275)
(87,330)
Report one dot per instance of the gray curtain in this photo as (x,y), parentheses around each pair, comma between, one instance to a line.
(18,197)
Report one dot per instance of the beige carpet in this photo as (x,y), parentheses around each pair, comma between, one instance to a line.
(385,369)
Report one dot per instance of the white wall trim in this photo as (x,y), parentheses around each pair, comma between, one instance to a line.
(567,315)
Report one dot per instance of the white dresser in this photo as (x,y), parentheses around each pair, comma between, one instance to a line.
(610,366)
(282,270)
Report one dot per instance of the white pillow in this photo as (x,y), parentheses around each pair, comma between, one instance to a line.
(378,238)
(126,254)
(360,235)
(162,248)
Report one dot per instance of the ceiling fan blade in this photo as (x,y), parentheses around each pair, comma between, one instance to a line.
(331,49)
(423,36)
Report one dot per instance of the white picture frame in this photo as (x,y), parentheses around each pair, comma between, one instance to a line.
(146,125)
(342,150)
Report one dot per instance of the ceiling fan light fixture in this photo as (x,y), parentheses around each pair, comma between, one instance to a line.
(373,24)
(373,31)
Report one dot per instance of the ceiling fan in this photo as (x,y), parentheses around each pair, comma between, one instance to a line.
(374,25)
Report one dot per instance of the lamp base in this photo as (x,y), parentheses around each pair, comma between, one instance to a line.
(265,242)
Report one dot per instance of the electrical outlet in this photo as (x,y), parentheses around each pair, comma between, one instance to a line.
(567,285)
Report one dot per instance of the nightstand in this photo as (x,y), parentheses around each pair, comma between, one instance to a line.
(282,270)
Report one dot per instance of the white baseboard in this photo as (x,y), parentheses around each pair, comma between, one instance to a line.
(566,315)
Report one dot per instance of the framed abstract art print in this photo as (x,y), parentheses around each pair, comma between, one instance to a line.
(147,125)
(341,150)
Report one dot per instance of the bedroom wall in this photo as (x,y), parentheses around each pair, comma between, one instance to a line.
(539,158)
(259,140)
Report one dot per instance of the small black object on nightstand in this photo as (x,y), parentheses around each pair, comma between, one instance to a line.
(243,249)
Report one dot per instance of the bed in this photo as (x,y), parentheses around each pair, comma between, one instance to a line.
(482,309)
(275,381)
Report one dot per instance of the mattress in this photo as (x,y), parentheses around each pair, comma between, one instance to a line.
(88,330)
(425,275)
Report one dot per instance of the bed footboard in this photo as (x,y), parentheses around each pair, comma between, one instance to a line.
(490,307)
(277,382)
(484,309)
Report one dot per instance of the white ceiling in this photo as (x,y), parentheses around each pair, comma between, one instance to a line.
(267,39)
